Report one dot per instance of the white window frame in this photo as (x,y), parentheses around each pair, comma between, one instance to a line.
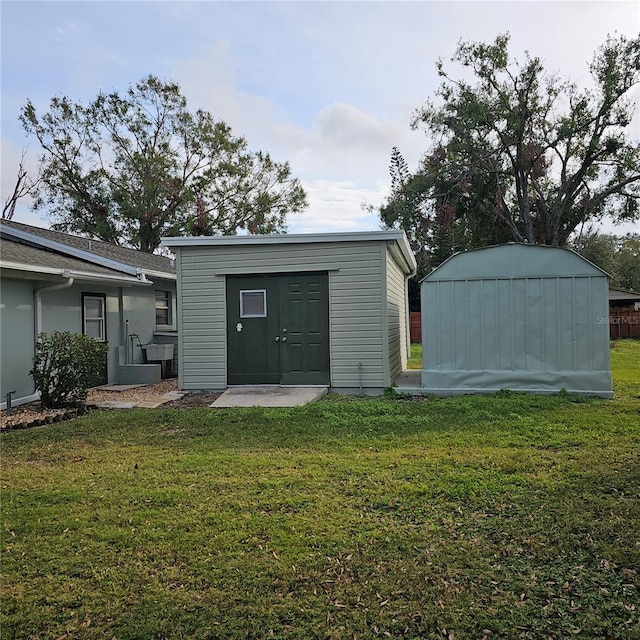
(253,315)
(170,300)
(102,319)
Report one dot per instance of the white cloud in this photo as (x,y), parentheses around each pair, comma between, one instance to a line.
(341,157)
(330,87)
(336,206)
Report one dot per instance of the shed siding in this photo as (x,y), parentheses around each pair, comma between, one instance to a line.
(396,318)
(355,306)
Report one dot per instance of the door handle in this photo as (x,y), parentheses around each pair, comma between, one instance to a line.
(284,339)
(277,338)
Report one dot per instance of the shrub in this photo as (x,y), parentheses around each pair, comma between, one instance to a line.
(65,366)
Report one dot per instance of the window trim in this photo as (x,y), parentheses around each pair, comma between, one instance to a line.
(95,296)
(253,315)
(170,310)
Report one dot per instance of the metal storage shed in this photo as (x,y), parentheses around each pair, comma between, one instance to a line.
(516,316)
(311,309)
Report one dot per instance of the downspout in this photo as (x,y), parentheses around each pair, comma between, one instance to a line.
(38,298)
(37,295)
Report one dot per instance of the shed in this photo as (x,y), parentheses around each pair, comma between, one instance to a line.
(516,316)
(300,309)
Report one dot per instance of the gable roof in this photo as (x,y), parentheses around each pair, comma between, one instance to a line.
(514,260)
(72,252)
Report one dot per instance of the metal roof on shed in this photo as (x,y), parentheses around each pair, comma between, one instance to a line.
(514,260)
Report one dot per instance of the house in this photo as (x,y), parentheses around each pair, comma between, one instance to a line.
(302,309)
(623,298)
(56,281)
(516,316)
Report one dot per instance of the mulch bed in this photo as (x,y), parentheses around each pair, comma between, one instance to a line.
(33,415)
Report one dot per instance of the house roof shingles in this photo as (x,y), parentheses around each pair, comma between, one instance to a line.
(132,257)
(15,252)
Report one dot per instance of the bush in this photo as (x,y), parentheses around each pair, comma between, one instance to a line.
(65,366)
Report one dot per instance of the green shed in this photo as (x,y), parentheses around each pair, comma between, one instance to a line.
(516,316)
(304,309)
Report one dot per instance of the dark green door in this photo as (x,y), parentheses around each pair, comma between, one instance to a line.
(278,329)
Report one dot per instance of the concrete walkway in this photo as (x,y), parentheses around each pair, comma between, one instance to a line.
(268,396)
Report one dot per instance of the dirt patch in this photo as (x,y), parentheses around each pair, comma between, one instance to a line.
(193,400)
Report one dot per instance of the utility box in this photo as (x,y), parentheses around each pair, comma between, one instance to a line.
(516,316)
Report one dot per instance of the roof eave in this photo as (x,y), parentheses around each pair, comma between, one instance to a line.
(300,238)
(103,278)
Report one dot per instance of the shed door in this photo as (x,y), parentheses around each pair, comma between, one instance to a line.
(278,329)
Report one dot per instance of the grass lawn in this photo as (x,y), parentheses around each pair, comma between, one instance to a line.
(415,361)
(505,516)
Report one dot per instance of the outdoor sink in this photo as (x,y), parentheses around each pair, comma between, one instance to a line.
(158,352)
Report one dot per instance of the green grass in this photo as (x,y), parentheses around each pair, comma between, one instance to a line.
(505,516)
(415,361)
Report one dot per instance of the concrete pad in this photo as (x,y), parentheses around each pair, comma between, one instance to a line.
(268,396)
(173,395)
(409,379)
(151,403)
(118,387)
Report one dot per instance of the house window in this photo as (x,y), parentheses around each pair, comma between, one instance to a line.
(94,316)
(163,308)
(253,303)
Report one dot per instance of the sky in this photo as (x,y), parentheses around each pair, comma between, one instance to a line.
(329,87)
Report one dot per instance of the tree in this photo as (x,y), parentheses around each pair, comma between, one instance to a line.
(518,154)
(24,186)
(619,256)
(131,168)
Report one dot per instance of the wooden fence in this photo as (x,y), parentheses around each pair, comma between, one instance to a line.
(624,322)
(415,326)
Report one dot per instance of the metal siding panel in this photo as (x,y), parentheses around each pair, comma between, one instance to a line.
(490,325)
(551,322)
(476,330)
(459,315)
(519,324)
(505,323)
(565,324)
(600,323)
(535,325)
(582,324)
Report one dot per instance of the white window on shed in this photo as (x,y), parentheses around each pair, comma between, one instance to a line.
(253,303)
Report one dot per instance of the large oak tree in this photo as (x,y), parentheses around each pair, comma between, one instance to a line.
(131,168)
(515,153)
